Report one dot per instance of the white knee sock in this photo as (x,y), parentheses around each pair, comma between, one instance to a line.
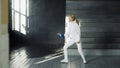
(80,51)
(68,43)
(65,53)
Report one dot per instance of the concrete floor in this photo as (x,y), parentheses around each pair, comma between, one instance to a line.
(22,61)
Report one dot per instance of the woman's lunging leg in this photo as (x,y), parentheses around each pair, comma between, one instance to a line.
(80,51)
(65,52)
(67,44)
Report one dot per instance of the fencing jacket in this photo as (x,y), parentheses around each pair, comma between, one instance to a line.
(72,31)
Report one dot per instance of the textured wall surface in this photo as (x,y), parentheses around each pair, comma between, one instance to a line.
(100,22)
(4,44)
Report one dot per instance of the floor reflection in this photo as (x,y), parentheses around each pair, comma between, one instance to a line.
(34,57)
(19,57)
(74,62)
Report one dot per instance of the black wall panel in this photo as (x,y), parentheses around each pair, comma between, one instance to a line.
(46,19)
(100,22)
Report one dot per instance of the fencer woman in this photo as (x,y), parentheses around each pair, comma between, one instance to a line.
(72,35)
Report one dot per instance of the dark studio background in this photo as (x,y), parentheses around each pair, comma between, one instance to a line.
(46,18)
(100,22)
(99,19)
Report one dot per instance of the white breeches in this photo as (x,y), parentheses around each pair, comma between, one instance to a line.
(70,42)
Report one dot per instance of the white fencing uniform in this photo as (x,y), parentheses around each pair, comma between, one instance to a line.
(72,35)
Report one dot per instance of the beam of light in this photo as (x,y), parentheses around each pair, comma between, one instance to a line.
(23,6)
(53,55)
(17,21)
(20,15)
(23,24)
(48,59)
(28,8)
(16,5)
(19,57)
